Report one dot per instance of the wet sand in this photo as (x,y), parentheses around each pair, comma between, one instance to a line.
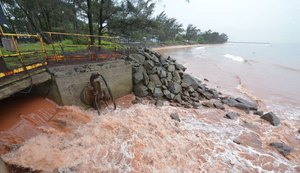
(162,48)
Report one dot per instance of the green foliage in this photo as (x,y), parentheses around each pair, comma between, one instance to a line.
(214,37)
(192,33)
(132,19)
(201,40)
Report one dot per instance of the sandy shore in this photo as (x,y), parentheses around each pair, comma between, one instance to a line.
(176,47)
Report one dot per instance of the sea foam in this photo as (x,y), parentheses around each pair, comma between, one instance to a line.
(235,58)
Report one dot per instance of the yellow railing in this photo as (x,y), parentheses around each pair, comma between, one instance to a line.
(57,49)
(17,55)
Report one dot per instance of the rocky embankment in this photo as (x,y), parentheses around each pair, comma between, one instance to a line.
(160,78)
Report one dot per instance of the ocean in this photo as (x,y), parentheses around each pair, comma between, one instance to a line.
(269,73)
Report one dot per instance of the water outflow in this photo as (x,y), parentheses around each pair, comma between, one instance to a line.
(26,117)
(143,138)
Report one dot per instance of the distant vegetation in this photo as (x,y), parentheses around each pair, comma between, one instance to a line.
(131,19)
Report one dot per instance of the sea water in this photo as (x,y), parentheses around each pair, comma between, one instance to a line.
(266,72)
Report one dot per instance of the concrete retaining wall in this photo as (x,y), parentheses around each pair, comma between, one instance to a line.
(71,79)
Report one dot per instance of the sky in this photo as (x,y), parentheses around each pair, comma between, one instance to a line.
(274,21)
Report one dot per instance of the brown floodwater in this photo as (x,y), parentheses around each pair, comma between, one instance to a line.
(143,138)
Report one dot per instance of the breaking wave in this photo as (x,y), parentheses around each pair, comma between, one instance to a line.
(235,58)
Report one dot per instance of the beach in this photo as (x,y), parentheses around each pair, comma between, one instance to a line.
(142,137)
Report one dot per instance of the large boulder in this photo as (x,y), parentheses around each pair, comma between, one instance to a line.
(175,116)
(171,68)
(138,58)
(180,67)
(138,77)
(175,88)
(232,115)
(155,79)
(151,57)
(282,148)
(176,77)
(250,105)
(272,118)
(140,90)
(240,103)
(148,64)
(157,93)
(190,81)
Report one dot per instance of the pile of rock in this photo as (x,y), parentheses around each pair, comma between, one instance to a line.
(159,77)
(164,78)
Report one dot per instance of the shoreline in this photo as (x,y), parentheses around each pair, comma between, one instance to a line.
(176,47)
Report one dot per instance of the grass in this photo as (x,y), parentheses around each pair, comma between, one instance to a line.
(60,48)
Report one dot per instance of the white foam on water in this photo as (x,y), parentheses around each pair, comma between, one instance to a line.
(235,58)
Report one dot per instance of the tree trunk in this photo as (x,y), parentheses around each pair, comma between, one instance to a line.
(100,24)
(75,17)
(90,20)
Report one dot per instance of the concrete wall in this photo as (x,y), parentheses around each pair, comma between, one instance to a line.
(14,84)
(71,79)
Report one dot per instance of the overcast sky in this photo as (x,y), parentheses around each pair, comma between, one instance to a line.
(276,21)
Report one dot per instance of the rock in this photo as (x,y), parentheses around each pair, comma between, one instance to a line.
(140,90)
(180,67)
(175,116)
(191,89)
(272,118)
(184,85)
(260,113)
(168,94)
(196,105)
(159,103)
(171,68)
(186,93)
(155,79)
(149,65)
(151,86)
(190,81)
(206,80)
(163,74)
(195,95)
(138,58)
(150,57)
(250,105)
(176,77)
(165,81)
(157,93)
(178,98)
(239,103)
(282,148)
(219,105)
(232,115)
(175,88)
(299,131)
(146,78)
(138,77)
(208,104)
(169,76)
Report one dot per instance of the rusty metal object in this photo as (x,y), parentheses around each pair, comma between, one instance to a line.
(94,94)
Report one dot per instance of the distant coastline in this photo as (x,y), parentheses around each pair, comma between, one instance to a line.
(248,42)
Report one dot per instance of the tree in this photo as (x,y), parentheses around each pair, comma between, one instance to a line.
(192,33)
(90,20)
